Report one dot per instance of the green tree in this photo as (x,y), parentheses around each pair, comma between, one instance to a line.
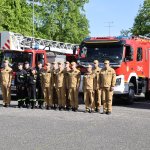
(16,16)
(142,21)
(62,20)
(125,32)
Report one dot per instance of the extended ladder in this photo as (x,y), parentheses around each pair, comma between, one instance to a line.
(16,41)
(27,42)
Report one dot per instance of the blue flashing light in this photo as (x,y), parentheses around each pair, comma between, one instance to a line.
(122,37)
(36,47)
(87,38)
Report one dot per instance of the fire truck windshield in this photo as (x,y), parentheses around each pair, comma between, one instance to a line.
(111,51)
(15,57)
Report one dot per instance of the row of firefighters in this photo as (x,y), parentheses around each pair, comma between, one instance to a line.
(57,86)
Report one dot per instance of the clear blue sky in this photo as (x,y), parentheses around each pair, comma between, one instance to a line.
(120,12)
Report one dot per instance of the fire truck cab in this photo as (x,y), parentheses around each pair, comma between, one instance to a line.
(129,56)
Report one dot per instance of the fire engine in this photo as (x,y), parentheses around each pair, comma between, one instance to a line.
(129,56)
(18,48)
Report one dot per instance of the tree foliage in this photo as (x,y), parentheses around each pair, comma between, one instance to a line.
(62,20)
(142,21)
(125,32)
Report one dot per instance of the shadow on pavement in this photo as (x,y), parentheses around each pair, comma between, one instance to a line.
(139,103)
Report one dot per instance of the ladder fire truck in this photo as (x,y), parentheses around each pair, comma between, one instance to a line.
(129,56)
(18,48)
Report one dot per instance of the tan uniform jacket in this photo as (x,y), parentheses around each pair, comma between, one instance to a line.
(60,78)
(66,74)
(107,77)
(74,78)
(6,75)
(88,81)
(96,71)
(54,78)
(46,78)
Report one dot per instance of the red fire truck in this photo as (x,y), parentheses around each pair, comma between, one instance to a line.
(129,56)
(18,48)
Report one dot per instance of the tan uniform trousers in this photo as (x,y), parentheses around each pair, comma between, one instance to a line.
(107,96)
(47,96)
(97,98)
(61,96)
(54,96)
(73,94)
(67,98)
(6,93)
(89,99)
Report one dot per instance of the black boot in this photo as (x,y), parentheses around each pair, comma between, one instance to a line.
(32,104)
(47,107)
(5,105)
(108,113)
(19,104)
(27,102)
(60,108)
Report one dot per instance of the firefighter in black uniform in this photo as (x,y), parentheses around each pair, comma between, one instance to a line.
(32,80)
(40,95)
(20,80)
(27,68)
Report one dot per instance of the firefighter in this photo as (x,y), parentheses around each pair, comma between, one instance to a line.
(60,84)
(53,87)
(27,68)
(88,89)
(97,91)
(47,83)
(66,71)
(6,75)
(31,81)
(40,95)
(20,82)
(74,83)
(107,83)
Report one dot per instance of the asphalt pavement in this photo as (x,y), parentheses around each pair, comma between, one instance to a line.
(127,128)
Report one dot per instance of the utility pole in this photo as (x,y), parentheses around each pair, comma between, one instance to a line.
(109,26)
(33,18)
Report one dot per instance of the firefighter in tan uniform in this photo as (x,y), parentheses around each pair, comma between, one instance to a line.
(60,84)
(6,75)
(107,83)
(88,89)
(53,87)
(66,73)
(97,91)
(47,83)
(74,83)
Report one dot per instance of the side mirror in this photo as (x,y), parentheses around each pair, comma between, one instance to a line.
(83,52)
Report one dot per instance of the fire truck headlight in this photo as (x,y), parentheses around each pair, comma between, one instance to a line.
(118,81)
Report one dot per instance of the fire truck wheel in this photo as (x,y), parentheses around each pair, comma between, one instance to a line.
(131,95)
(147,96)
